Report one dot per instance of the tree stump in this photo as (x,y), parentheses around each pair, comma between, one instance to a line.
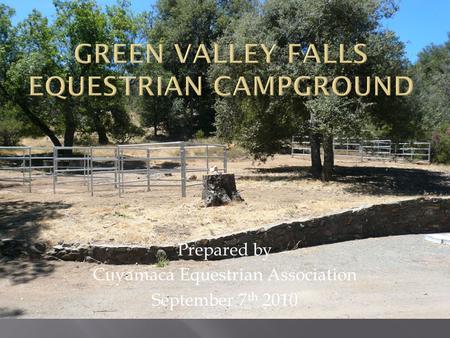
(219,189)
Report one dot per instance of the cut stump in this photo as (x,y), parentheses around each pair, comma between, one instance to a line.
(219,189)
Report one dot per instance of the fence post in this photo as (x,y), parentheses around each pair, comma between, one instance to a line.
(29,169)
(55,168)
(85,172)
(207,159)
(361,151)
(116,162)
(292,146)
(395,152)
(122,170)
(225,159)
(92,170)
(429,152)
(120,164)
(24,167)
(148,169)
(183,169)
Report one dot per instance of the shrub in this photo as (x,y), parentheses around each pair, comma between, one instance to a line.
(125,133)
(441,146)
(199,134)
(10,131)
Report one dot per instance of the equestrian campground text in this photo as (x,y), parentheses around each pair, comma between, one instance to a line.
(224,85)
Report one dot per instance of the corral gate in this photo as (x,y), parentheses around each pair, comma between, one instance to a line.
(120,167)
(384,150)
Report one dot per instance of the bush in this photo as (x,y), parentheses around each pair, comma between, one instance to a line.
(10,131)
(441,146)
(126,133)
(199,134)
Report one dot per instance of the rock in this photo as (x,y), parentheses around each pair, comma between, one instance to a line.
(39,247)
(89,259)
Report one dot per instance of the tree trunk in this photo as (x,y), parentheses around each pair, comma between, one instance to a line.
(328,158)
(69,137)
(316,161)
(70,127)
(69,134)
(34,119)
(101,130)
(219,189)
(102,136)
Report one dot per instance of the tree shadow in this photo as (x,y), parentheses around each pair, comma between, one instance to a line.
(22,220)
(304,170)
(20,251)
(10,313)
(393,181)
(23,270)
(366,180)
(131,164)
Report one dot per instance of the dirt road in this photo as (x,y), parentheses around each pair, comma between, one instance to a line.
(392,277)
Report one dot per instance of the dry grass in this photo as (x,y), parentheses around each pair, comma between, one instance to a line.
(280,189)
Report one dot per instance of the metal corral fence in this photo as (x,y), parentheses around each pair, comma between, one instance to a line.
(384,150)
(122,167)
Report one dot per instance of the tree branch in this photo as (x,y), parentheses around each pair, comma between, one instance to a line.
(33,118)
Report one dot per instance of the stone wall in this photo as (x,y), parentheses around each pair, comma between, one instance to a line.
(423,215)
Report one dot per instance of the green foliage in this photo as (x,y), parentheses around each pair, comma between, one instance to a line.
(161,259)
(186,22)
(155,111)
(6,39)
(83,21)
(11,129)
(199,134)
(36,47)
(261,124)
(441,145)
(26,50)
(431,99)
(123,129)
(432,77)
(162,262)
(333,115)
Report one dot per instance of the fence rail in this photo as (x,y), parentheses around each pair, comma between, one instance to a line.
(384,150)
(120,167)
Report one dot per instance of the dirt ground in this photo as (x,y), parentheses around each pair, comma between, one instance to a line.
(278,190)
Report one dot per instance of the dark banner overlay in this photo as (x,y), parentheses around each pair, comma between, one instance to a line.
(222,328)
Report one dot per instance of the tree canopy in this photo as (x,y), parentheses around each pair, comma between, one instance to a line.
(262,124)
